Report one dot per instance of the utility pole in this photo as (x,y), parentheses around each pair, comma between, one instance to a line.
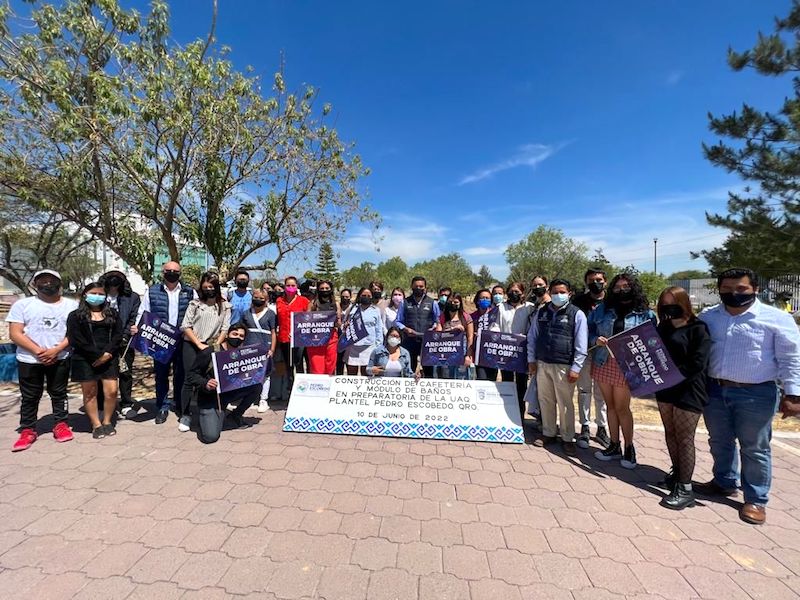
(655,256)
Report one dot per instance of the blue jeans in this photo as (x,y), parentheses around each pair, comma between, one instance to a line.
(162,378)
(742,414)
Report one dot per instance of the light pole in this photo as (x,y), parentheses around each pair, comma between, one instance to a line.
(655,256)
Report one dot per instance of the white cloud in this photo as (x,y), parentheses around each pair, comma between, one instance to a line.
(674,77)
(409,238)
(483,250)
(528,155)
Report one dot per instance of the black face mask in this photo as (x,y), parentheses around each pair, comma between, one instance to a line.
(596,286)
(452,307)
(735,300)
(365,300)
(624,296)
(538,291)
(325,295)
(172,277)
(418,293)
(514,297)
(209,294)
(242,285)
(48,289)
(345,302)
(672,311)
(234,342)
(114,282)
(272,296)
(258,302)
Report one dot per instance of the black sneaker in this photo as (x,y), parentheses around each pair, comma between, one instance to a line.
(569,448)
(682,496)
(613,452)
(161,417)
(583,437)
(602,437)
(129,412)
(99,433)
(629,458)
(110,429)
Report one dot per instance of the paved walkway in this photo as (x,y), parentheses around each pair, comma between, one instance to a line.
(154,514)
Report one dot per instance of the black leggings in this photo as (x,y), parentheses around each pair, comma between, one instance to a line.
(679,429)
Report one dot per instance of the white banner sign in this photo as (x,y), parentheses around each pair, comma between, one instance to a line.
(442,409)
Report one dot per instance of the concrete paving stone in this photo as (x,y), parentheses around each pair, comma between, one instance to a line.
(179,488)
(32,551)
(202,570)
(545,591)
(320,522)
(360,470)
(465,562)
(213,490)
(617,524)
(381,458)
(167,533)
(384,506)
(159,564)
(474,494)
(483,536)
(330,467)
(581,501)
(707,555)
(206,536)
(615,547)
(284,518)
(360,525)
(209,511)
(611,575)
(437,461)
(560,570)
(62,586)
(542,498)
(620,505)
(248,575)
(393,584)
(347,503)
(343,582)
(338,483)
(245,542)
(758,561)
(438,491)
(660,551)
(421,509)
(295,579)
(110,588)
(307,481)
(405,490)
(115,560)
(246,515)
(552,483)
(162,590)
(324,454)
(453,476)
(458,511)
(744,534)
(477,451)
(488,479)
(16,582)
(150,485)
(246,492)
(659,527)
(371,486)
(536,517)
(408,460)
(497,514)
(512,566)
(579,520)
(597,594)
(374,553)
(712,584)
(761,587)
(419,558)
(391,472)
(569,543)
(658,579)
(467,463)
(53,522)
(703,532)
(788,557)
(278,496)
(441,532)
(442,586)
(140,505)
(492,589)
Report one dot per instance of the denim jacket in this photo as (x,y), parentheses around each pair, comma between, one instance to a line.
(601,323)
(380,356)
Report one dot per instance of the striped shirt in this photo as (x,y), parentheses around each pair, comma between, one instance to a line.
(761,344)
(207,321)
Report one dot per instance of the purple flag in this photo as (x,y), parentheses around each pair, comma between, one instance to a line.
(156,338)
(443,349)
(487,319)
(643,359)
(312,328)
(241,367)
(505,351)
(353,330)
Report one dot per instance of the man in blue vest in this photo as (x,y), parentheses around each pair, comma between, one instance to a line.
(417,314)
(168,300)
(557,348)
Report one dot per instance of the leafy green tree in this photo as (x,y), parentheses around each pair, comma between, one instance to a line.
(764,148)
(326,264)
(549,252)
(689,274)
(449,270)
(358,277)
(484,278)
(393,273)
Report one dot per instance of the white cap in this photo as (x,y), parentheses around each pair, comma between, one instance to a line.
(46,272)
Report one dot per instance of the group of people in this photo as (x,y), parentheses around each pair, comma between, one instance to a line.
(740,359)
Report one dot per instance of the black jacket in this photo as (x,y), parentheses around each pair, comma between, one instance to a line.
(690,348)
(128,303)
(79,334)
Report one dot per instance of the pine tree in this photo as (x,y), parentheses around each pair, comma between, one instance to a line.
(484,278)
(326,264)
(764,148)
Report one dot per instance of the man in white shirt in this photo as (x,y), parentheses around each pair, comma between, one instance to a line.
(38,326)
(754,346)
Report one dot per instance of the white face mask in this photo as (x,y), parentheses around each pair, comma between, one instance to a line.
(393,341)
(559,300)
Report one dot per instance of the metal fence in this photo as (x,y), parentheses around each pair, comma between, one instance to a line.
(703,292)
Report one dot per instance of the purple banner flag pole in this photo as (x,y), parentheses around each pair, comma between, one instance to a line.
(241,367)
(353,330)
(156,338)
(505,351)
(443,349)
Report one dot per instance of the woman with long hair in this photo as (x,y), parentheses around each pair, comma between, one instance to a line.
(393,306)
(453,318)
(689,345)
(484,318)
(322,359)
(94,331)
(359,353)
(390,359)
(624,307)
(205,324)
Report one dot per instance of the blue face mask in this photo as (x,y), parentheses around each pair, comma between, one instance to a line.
(95,299)
(498,298)
(484,303)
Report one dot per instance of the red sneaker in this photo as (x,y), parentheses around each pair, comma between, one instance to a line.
(62,432)
(25,441)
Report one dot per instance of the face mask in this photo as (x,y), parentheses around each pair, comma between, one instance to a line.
(596,286)
(538,291)
(114,281)
(48,289)
(365,300)
(624,295)
(95,299)
(291,289)
(258,302)
(325,295)
(514,297)
(671,311)
(345,302)
(397,299)
(172,276)
(419,292)
(312,290)
(735,300)
(279,293)
(272,296)
(452,307)
(393,341)
(234,342)
(242,285)
(497,298)
(559,300)
(443,300)
(484,303)
(209,294)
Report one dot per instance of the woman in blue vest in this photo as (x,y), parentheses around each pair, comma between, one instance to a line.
(624,307)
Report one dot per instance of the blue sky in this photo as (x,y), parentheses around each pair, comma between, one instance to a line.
(482,120)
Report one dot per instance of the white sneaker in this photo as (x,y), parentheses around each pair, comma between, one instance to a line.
(263,406)
(184,422)
(231,407)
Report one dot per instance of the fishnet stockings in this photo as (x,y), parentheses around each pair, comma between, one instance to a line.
(679,429)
